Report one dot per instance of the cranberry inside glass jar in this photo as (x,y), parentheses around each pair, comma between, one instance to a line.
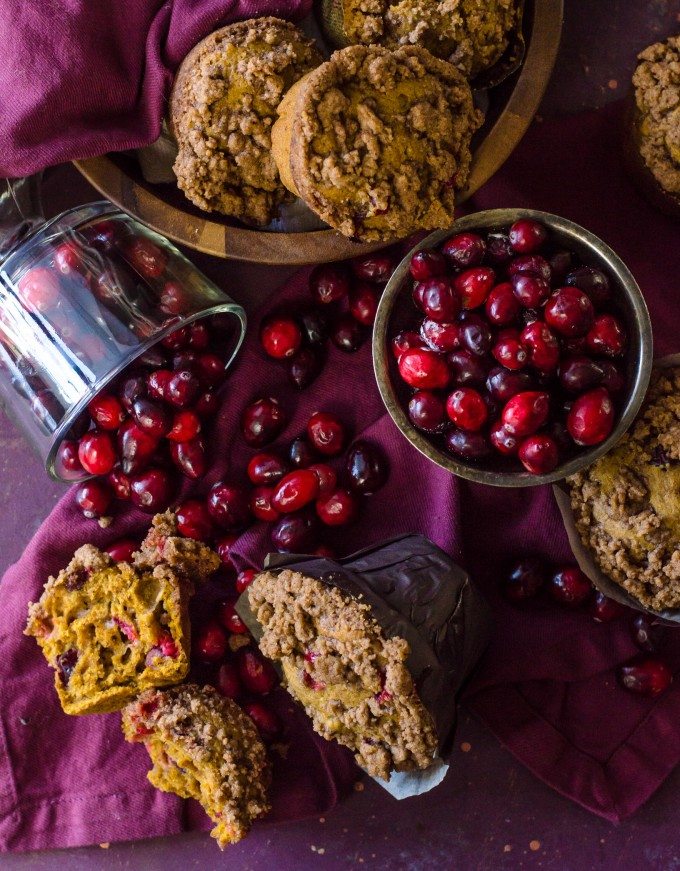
(91,302)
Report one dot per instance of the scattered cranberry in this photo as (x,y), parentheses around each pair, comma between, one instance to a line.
(210,370)
(604,610)
(190,457)
(467,409)
(591,417)
(304,367)
(301,454)
(328,283)
(262,504)
(423,369)
(503,441)
(328,480)
(346,334)
(648,633)
(295,490)
(527,236)
(211,643)
(539,454)
(510,353)
(207,404)
(136,447)
(427,263)
(645,676)
(524,579)
(570,312)
(244,579)
(229,505)
(223,548)
(94,498)
(281,337)
(265,720)
(314,323)
(96,453)
(67,462)
(474,285)
(266,468)
(376,267)
(152,490)
(230,619)
(152,418)
(592,282)
(607,336)
(338,509)
(122,551)
(194,521)
(427,411)
(526,412)
(326,433)
(228,682)
(145,256)
(262,421)
(464,250)
(367,468)
(570,586)
(39,288)
(256,673)
(468,445)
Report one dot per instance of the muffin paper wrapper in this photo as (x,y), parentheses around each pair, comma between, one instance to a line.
(417,592)
(584,557)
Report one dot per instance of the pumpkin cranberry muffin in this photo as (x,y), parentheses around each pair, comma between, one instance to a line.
(203,746)
(111,630)
(351,679)
(377,142)
(627,504)
(222,107)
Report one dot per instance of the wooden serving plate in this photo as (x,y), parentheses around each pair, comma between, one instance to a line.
(511,108)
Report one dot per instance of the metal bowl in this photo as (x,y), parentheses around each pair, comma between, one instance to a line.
(396,307)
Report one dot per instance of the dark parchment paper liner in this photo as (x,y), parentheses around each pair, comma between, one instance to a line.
(584,557)
(417,592)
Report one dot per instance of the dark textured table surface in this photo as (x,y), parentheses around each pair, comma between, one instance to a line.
(490,813)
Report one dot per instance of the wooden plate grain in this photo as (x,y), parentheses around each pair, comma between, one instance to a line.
(163,207)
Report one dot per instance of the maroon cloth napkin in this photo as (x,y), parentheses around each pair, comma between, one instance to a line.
(546,687)
(125,51)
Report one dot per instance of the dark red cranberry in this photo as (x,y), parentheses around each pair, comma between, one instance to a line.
(648,633)
(363,304)
(156,384)
(262,505)
(210,369)
(328,282)
(607,336)
(347,334)
(96,453)
(304,367)
(474,285)
(464,250)
(262,421)
(122,551)
(177,340)
(376,267)
(267,469)
(569,312)
(226,614)
(152,418)
(211,642)
(510,353)
(503,384)
(502,306)
(326,433)
(152,490)
(592,282)
(440,337)
(183,388)
(475,334)
(405,341)
(325,551)
(119,483)
(266,721)
(193,520)
(94,498)
(337,509)
(66,462)
(186,359)
(135,446)
(106,411)
(526,412)
(531,290)
(604,610)
(539,454)
(467,369)
(296,533)
(256,673)
(502,440)
(524,579)
(199,336)
(530,264)
(560,264)
(223,548)
(104,235)
(367,467)
(426,411)
(468,445)
(186,425)
(228,683)
(207,404)
(280,337)
(645,676)
(244,579)
(147,258)
(580,373)
(591,417)
(301,454)
(39,289)
(314,325)
(498,248)
(466,408)
(66,663)
(328,480)
(427,263)
(527,236)
(174,299)
(295,490)
(542,346)
(190,457)
(229,505)
(570,586)
(613,379)
(132,388)
(154,358)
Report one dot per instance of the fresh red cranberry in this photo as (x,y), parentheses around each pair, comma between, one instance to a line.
(645,676)
(266,721)
(193,520)
(405,341)
(363,304)
(226,614)
(527,236)
(267,469)
(228,683)
(542,346)
(502,384)
(94,498)
(613,379)
(68,257)
(591,417)
(328,480)
(295,490)
(474,285)
(210,369)
(147,258)
(223,549)
(304,367)
(440,337)
(570,586)
(119,482)
(592,282)
(510,353)
(104,235)
(468,445)
(39,289)
(607,336)
(67,463)
(502,306)
(177,340)
(211,642)
(526,412)
(346,334)
(366,467)
(183,388)
(530,290)
(467,369)
(502,440)
(229,505)
(207,405)
(475,334)
(539,454)
(561,262)
(328,283)
(262,504)
(524,579)
(648,633)
(156,384)
(190,457)
(296,533)
(301,454)
(579,373)
(426,411)
(326,433)
(106,411)
(337,509)
(244,579)
(466,408)
(376,267)
(280,337)
(122,551)
(174,299)
(427,263)
(152,418)
(152,490)
(570,312)
(604,610)
(186,425)
(498,248)
(464,250)
(256,673)
(262,421)
(96,453)
(530,264)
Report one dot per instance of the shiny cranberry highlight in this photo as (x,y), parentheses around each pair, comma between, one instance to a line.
(280,337)
(328,283)
(96,453)
(366,467)
(645,676)
(527,236)
(326,433)
(524,579)
(464,250)
(570,586)
(262,421)
(229,505)
(591,417)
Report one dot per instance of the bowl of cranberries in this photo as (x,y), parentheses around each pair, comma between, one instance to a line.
(514,348)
